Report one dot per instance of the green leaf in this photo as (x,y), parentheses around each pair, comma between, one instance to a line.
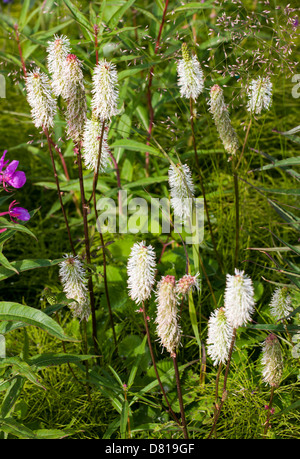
(139,353)
(5,263)
(23,14)
(21,368)
(11,426)
(193,317)
(117,16)
(45,360)
(15,227)
(133,145)
(12,395)
(26,265)
(51,434)
(20,313)
(275,328)
(80,18)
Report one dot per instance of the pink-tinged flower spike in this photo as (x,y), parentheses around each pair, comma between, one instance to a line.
(220,114)
(168,328)
(58,50)
(219,337)
(16,212)
(239,299)
(272,362)
(74,94)
(10,176)
(73,278)
(186,283)
(39,96)
(141,271)
(190,75)
(105,90)
(281,304)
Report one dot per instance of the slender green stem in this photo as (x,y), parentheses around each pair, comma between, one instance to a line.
(202,186)
(95,183)
(183,420)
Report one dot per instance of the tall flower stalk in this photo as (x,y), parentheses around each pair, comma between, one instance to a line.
(168,330)
(238,309)
(141,277)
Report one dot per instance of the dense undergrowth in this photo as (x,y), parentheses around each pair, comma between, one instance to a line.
(116,393)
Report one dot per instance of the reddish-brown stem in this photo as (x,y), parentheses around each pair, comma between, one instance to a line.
(58,191)
(58,150)
(87,247)
(149,98)
(96,30)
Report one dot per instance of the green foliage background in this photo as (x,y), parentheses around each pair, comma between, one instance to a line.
(269,210)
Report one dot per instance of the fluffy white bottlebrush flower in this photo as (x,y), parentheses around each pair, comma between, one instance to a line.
(91,144)
(272,362)
(40,98)
(73,278)
(187,283)
(74,94)
(168,329)
(281,303)
(259,95)
(105,90)
(190,75)
(141,272)
(221,117)
(219,336)
(238,299)
(58,50)
(181,191)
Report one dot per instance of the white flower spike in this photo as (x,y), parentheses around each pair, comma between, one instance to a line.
(219,337)
(58,50)
(90,147)
(74,94)
(239,299)
(168,328)
(190,75)
(181,191)
(73,278)
(272,361)
(220,114)
(105,91)
(141,272)
(281,303)
(259,95)
(40,98)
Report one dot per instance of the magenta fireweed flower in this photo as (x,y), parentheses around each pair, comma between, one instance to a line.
(16,212)
(10,176)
